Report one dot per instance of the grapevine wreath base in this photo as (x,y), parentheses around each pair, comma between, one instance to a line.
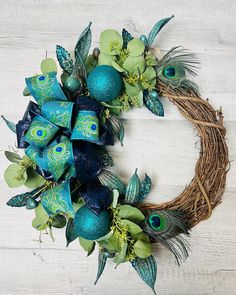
(65,164)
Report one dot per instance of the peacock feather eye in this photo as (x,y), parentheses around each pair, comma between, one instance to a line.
(41,80)
(169,72)
(39,132)
(157,222)
(59,149)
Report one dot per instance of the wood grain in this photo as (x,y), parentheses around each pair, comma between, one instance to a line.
(164,148)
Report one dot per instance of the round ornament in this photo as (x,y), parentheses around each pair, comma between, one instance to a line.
(104,83)
(89,225)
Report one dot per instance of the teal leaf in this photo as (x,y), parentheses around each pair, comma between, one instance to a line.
(106,158)
(112,181)
(87,245)
(83,44)
(126,37)
(145,188)
(10,125)
(65,60)
(154,105)
(102,259)
(80,68)
(156,29)
(12,157)
(147,270)
(21,199)
(133,189)
(71,235)
(131,213)
(117,127)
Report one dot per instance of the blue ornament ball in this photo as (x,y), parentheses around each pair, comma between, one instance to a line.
(91,226)
(104,83)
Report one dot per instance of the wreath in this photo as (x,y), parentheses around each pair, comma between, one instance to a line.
(66,164)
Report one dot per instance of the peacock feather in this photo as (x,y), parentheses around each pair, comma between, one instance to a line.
(175,66)
(165,227)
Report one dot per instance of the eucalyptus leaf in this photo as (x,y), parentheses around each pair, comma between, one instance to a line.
(12,157)
(34,180)
(119,258)
(136,47)
(131,226)
(117,66)
(83,44)
(142,249)
(111,42)
(132,90)
(150,75)
(141,236)
(111,244)
(87,245)
(15,177)
(26,91)
(131,213)
(105,59)
(147,270)
(48,65)
(106,237)
(134,65)
(40,222)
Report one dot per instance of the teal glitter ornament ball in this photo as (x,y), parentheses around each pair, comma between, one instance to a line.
(104,83)
(89,225)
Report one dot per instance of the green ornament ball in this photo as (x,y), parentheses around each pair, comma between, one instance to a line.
(72,84)
(104,83)
(89,225)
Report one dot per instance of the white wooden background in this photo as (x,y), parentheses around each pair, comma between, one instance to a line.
(164,148)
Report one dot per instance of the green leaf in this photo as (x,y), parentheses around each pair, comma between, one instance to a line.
(91,62)
(34,180)
(150,75)
(115,198)
(58,221)
(141,236)
(147,270)
(116,103)
(87,245)
(150,59)
(26,91)
(12,157)
(78,205)
(131,227)
(48,65)
(105,59)
(134,65)
(117,67)
(136,47)
(142,249)
(131,213)
(106,237)
(40,222)
(111,244)
(132,90)
(14,177)
(119,258)
(111,42)
(83,44)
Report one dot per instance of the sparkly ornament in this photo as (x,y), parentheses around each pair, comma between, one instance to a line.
(104,83)
(89,225)
(72,84)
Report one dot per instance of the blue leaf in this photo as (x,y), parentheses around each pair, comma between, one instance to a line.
(156,29)
(102,259)
(10,125)
(64,59)
(154,105)
(145,188)
(147,270)
(83,44)
(126,38)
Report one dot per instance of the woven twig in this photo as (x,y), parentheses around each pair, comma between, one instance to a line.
(207,187)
